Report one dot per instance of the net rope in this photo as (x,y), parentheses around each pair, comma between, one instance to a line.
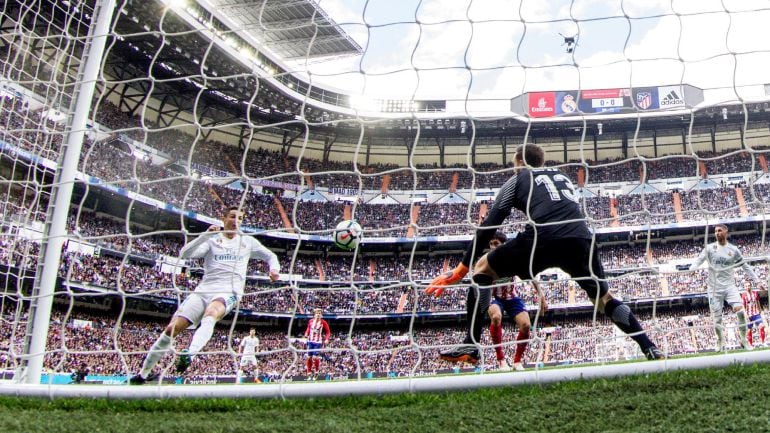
(165,152)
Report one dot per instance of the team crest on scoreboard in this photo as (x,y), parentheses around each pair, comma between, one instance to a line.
(644,100)
(568,104)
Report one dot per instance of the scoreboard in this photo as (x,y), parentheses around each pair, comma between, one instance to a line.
(603,101)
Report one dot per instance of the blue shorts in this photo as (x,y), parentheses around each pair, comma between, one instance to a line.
(512,307)
(754,320)
(312,348)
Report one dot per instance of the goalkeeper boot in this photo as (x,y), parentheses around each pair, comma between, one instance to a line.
(652,353)
(139,380)
(465,353)
(183,361)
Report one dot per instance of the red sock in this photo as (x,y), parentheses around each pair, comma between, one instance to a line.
(309,365)
(750,337)
(496,332)
(762,334)
(316,364)
(521,347)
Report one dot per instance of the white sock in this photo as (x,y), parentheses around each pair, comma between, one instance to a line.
(202,335)
(720,337)
(158,349)
(741,325)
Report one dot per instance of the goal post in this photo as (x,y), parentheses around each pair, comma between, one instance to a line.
(383,387)
(55,231)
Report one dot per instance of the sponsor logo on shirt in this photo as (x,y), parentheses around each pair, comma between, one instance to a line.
(228,256)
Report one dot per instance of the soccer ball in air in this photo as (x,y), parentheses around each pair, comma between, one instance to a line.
(347,235)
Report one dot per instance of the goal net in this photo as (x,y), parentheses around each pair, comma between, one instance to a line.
(128,128)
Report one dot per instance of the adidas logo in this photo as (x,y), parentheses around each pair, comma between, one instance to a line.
(672,98)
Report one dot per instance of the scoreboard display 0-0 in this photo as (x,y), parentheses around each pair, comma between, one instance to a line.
(605,101)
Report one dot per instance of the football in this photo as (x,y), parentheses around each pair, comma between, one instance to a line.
(347,235)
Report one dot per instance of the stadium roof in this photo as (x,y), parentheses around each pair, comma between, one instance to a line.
(286,27)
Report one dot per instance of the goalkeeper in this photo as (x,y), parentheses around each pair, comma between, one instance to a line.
(556,236)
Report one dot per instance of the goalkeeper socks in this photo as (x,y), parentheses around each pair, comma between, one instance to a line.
(202,335)
(476,307)
(158,349)
(522,346)
(624,319)
(496,332)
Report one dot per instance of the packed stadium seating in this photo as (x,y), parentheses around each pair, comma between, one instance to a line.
(129,263)
(91,339)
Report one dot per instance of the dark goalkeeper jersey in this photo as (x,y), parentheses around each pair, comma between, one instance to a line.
(546,196)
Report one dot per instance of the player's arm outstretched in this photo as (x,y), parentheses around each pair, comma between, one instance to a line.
(259,251)
(700,259)
(748,269)
(541,297)
(497,214)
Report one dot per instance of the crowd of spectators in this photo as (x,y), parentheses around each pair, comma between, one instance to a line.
(104,231)
(115,163)
(648,208)
(717,203)
(106,345)
(29,129)
(347,283)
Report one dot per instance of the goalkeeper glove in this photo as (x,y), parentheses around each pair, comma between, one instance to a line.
(436,287)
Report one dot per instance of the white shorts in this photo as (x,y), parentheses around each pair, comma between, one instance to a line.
(718,299)
(195,305)
(248,360)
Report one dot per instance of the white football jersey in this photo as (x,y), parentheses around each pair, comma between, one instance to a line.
(249,345)
(722,261)
(225,261)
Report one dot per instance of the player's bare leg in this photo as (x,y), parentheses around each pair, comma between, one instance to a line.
(496,333)
(524,325)
(214,311)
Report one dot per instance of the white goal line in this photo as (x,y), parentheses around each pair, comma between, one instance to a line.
(387,386)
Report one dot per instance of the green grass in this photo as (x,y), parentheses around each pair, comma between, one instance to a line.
(734,399)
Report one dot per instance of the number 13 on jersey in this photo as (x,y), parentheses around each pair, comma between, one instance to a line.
(553,190)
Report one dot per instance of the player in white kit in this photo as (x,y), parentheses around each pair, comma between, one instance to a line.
(723,257)
(226,254)
(248,350)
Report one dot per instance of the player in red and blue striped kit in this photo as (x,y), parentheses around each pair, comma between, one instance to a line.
(753,309)
(317,335)
(506,298)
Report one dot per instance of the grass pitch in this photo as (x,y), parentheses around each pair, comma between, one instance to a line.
(733,399)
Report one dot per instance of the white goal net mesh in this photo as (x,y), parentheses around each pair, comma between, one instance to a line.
(405,119)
